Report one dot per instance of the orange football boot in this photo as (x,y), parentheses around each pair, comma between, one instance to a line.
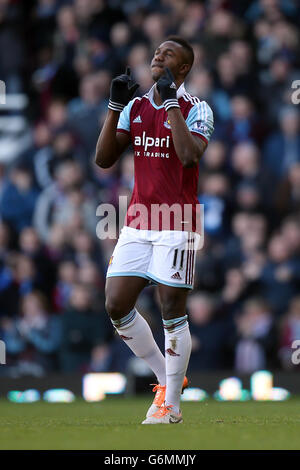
(160,395)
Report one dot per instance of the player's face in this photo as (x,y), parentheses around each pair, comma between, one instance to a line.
(168,54)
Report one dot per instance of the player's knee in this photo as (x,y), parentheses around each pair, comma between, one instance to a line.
(169,309)
(115,307)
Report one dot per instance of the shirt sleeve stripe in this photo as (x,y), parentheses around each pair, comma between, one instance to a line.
(200,136)
(123,131)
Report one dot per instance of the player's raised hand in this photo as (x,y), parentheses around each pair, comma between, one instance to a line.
(167,89)
(122,90)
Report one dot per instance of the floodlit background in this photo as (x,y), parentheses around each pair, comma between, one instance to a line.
(57,59)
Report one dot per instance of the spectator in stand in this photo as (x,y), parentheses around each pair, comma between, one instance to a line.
(54,202)
(88,274)
(209,275)
(244,124)
(248,236)
(256,337)
(62,149)
(33,338)
(215,195)
(154,27)
(12,50)
(120,37)
(280,277)
(246,166)
(214,158)
(56,243)
(20,278)
(83,328)
(287,200)
(138,55)
(18,199)
(248,197)
(282,149)
(224,89)
(38,153)
(66,278)
(108,184)
(31,246)
(275,90)
(57,114)
(84,112)
(210,334)
(85,248)
(79,211)
(5,242)
(200,83)
(101,359)
(67,36)
(194,20)
(221,27)
(290,230)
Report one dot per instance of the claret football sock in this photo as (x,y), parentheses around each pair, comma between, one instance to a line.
(136,333)
(178,347)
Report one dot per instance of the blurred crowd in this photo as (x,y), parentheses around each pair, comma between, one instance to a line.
(57,58)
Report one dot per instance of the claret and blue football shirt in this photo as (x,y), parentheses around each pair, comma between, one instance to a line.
(160,177)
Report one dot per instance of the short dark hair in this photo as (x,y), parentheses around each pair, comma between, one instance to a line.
(186,45)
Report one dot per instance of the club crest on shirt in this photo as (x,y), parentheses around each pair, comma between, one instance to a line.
(167,124)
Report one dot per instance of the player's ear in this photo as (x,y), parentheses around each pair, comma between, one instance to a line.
(184,69)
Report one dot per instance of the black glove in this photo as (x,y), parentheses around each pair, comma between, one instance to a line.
(167,89)
(122,90)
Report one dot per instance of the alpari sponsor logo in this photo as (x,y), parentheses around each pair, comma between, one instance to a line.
(148,142)
(171,352)
(125,338)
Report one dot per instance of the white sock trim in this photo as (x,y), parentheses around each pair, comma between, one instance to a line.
(124,321)
(175,324)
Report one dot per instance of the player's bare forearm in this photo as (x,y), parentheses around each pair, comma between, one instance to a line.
(107,145)
(189,149)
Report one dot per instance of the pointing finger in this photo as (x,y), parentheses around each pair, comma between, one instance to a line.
(169,74)
(134,87)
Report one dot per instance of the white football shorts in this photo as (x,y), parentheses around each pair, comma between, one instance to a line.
(163,257)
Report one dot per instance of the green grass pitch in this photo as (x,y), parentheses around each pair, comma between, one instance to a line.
(114,424)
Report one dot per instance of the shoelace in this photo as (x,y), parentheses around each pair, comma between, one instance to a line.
(163,410)
(159,389)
